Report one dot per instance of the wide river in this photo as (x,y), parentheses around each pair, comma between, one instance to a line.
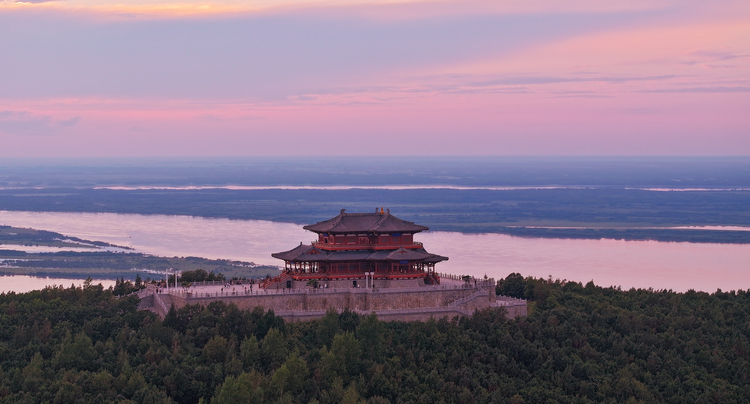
(640,264)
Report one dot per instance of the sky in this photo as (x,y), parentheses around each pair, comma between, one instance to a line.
(100,78)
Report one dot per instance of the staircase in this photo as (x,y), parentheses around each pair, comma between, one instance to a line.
(430,279)
(480,292)
(264,284)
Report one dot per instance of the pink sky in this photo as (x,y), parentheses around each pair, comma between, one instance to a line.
(296,77)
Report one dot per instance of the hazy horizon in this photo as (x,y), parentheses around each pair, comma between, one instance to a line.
(364,171)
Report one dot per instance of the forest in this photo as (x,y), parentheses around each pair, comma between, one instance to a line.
(579,344)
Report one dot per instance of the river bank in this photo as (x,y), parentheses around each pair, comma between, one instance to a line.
(25,283)
(620,213)
(113,265)
(639,264)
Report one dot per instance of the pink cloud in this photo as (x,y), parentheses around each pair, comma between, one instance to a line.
(653,79)
(25,123)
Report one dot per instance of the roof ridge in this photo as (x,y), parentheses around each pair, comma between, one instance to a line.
(379,221)
(338,218)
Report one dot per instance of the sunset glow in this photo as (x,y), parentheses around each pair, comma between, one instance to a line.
(435,77)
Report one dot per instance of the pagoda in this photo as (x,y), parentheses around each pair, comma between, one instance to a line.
(359,250)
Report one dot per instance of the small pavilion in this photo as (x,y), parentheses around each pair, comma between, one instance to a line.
(359,250)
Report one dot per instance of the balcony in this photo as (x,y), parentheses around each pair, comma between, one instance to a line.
(367,246)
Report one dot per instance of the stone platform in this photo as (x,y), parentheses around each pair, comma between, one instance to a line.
(389,304)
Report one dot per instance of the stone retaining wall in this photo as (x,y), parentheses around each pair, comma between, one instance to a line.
(396,304)
(352,299)
(147,302)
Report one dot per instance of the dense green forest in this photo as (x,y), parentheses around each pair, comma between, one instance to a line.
(579,344)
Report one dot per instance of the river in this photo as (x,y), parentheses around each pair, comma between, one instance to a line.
(23,283)
(640,264)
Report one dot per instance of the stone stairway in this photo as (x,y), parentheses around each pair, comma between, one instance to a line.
(466,299)
(157,303)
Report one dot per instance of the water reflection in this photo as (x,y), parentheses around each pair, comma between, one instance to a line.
(24,283)
(644,264)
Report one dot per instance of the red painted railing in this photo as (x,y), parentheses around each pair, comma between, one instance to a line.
(330,246)
(354,276)
(264,284)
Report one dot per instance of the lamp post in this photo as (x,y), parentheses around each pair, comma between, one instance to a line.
(172,271)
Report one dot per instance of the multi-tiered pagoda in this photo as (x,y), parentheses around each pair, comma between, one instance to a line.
(358,250)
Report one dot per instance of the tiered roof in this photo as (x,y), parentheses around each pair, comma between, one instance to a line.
(378,222)
(309,253)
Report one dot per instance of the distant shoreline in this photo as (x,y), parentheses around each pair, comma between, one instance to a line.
(110,265)
(721,233)
(543,213)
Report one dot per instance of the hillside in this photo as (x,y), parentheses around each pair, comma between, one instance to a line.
(580,344)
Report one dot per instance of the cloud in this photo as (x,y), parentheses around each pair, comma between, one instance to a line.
(210,118)
(34,1)
(530,80)
(69,122)
(27,123)
(502,84)
(305,98)
(714,89)
(642,111)
(712,56)
(213,118)
(263,57)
